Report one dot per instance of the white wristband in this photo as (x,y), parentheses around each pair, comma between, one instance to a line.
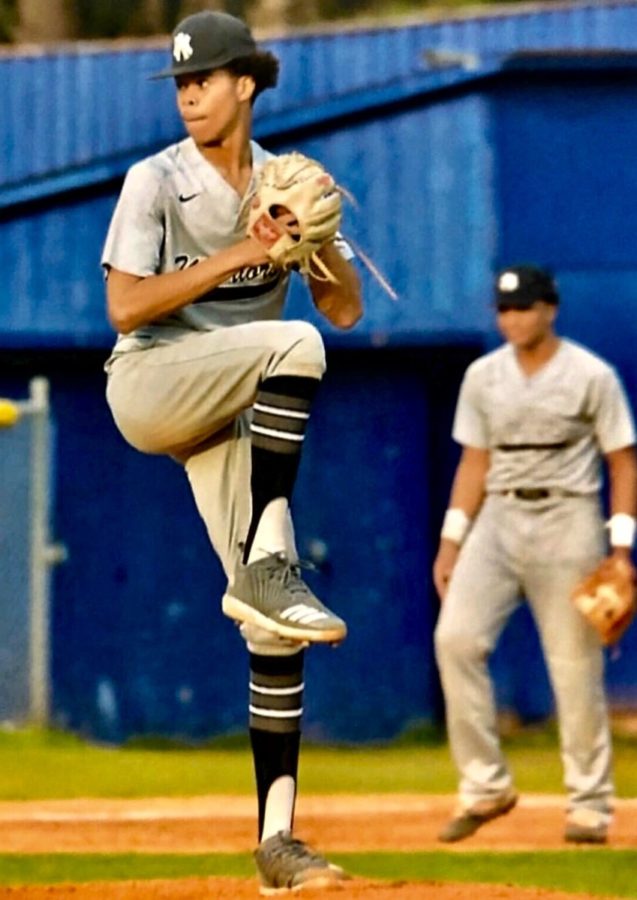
(455,525)
(621,529)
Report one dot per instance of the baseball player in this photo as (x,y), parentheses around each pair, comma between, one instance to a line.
(205,371)
(535,418)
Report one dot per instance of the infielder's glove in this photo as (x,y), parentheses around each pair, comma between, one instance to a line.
(606,598)
(301,186)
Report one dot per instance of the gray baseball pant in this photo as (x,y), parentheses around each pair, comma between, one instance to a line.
(191,398)
(538,550)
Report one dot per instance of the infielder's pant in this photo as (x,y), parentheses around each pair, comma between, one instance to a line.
(191,399)
(539,550)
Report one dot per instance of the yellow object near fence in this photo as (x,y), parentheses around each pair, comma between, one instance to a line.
(9,413)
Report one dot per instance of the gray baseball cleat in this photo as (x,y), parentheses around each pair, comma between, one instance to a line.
(271,593)
(287,864)
(467,821)
(586,826)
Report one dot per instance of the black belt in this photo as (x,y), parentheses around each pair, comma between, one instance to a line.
(533,493)
(239,292)
(511,448)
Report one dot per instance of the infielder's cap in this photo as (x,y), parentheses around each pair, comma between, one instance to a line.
(207,40)
(521,286)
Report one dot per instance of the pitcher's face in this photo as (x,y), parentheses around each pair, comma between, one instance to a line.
(211,104)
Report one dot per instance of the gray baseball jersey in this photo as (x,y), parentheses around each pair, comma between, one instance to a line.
(546,430)
(174,210)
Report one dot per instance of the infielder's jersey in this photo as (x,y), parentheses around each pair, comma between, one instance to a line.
(174,210)
(546,430)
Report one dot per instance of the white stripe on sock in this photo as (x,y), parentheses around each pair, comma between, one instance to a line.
(278,411)
(271,432)
(277,692)
(275,713)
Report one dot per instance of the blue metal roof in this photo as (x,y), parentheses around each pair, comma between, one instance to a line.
(73,116)
(418,156)
(415,149)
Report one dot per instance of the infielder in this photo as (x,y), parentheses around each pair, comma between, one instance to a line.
(205,371)
(535,418)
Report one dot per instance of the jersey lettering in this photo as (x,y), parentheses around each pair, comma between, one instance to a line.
(263,272)
(250,273)
(185,262)
(244,284)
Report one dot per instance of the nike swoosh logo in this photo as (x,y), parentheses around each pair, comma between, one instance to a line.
(183,198)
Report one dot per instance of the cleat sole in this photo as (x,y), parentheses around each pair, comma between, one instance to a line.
(326,881)
(242,612)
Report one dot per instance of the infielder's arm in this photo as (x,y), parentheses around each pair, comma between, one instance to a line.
(622,474)
(467,495)
(133,301)
(467,492)
(341,303)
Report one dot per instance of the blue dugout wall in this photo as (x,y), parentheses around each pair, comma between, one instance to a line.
(456,170)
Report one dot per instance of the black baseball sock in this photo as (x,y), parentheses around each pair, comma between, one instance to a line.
(276,707)
(281,412)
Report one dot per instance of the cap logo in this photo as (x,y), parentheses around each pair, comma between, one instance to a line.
(182,48)
(508,281)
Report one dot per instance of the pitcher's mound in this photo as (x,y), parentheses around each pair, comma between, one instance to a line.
(247,889)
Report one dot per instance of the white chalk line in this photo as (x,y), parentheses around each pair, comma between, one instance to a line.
(241,807)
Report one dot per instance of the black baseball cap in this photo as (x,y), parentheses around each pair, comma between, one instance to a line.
(520,287)
(207,40)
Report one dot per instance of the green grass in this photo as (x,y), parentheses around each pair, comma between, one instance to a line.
(53,868)
(47,765)
(599,871)
(50,765)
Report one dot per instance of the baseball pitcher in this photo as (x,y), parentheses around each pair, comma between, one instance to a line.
(198,258)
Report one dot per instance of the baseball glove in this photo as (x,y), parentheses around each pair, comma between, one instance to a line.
(606,598)
(299,186)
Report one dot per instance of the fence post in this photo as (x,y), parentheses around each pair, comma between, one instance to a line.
(42,553)
(39,642)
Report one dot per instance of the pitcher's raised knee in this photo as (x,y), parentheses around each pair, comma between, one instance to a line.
(304,353)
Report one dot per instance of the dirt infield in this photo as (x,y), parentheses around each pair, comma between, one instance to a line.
(242,889)
(227,824)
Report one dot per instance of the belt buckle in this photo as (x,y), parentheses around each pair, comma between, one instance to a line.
(532,494)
